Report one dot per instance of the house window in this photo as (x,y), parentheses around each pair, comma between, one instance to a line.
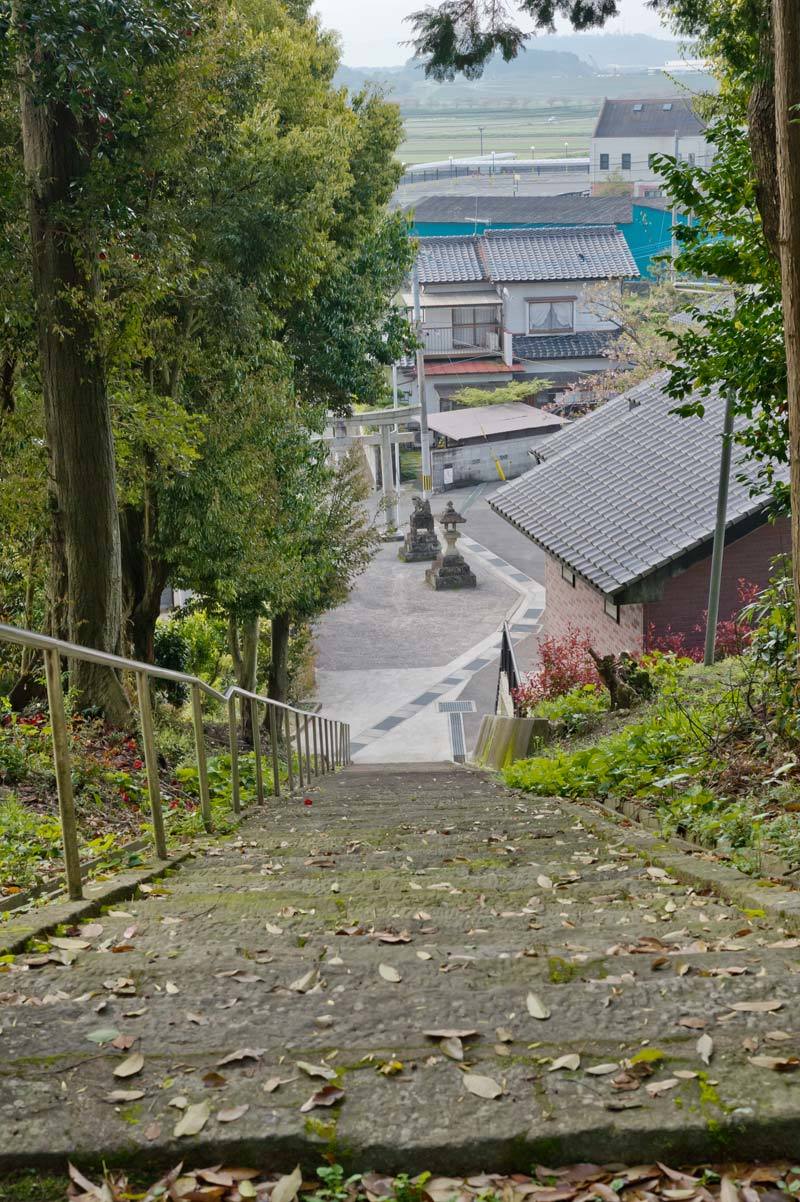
(612,609)
(551,317)
(567,575)
(604,162)
(626,162)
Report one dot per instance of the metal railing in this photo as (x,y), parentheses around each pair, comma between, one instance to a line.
(322,744)
(471,336)
(509,673)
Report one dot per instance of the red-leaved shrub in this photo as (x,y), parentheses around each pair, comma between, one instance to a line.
(564,665)
(732,637)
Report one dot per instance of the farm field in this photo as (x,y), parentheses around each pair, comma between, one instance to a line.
(443,120)
(438,133)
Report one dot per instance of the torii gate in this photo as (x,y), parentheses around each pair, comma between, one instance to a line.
(347,430)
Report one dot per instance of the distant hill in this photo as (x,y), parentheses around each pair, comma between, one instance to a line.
(551,58)
(613,49)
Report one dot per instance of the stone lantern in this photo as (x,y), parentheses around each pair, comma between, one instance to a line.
(451,570)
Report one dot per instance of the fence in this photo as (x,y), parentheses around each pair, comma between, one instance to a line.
(509,677)
(322,744)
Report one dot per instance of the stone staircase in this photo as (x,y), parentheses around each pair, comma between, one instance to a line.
(405,901)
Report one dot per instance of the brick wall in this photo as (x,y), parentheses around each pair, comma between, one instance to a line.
(685,597)
(583,608)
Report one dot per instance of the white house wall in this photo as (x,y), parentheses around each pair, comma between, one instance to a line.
(516,296)
(640,150)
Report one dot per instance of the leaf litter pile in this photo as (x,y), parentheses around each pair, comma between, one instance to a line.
(773,1182)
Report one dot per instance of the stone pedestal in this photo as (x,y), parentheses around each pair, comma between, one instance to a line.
(420,544)
(451,570)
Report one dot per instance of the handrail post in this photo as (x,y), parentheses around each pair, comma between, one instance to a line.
(328,763)
(151,763)
(308,752)
(276,763)
(202,762)
(63,767)
(300,775)
(233,738)
(289,766)
(316,752)
(257,750)
(323,742)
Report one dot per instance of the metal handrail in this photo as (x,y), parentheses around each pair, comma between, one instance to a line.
(508,667)
(331,738)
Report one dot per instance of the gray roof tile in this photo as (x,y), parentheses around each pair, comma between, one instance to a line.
(628,488)
(449,260)
(583,344)
(589,252)
(657,117)
(572,252)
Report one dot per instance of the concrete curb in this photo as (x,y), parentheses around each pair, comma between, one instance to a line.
(39,923)
(688,862)
(693,865)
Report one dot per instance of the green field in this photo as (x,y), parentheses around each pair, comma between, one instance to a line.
(437,133)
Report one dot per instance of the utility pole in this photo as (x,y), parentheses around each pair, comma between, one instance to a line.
(396,405)
(480,131)
(674,256)
(424,435)
(718,553)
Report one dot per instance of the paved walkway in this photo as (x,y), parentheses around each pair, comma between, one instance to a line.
(473,979)
(397,649)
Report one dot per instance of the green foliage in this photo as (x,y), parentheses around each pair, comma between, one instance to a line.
(727,241)
(506,394)
(172,651)
(335,1186)
(28,841)
(576,710)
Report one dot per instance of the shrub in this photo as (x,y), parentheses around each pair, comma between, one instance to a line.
(565,664)
(733,635)
(171,649)
(576,710)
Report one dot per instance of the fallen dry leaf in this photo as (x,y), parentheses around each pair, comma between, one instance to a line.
(389,974)
(317,1070)
(536,1007)
(779,1064)
(329,1095)
(240,1054)
(130,1067)
(571,1061)
(193,1120)
(705,1047)
(231,1116)
(285,1189)
(482,1087)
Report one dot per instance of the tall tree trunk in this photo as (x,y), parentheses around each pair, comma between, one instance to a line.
(144,576)
(278,687)
(77,417)
(243,643)
(786,20)
(762,138)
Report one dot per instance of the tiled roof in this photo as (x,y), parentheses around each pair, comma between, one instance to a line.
(570,208)
(572,252)
(629,488)
(657,117)
(583,344)
(449,260)
(579,252)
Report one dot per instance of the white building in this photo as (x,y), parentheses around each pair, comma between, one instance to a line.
(629,133)
(510,303)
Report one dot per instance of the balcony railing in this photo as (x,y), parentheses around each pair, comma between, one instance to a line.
(461,339)
(329,737)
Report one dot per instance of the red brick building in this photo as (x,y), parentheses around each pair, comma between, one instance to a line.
(623,502)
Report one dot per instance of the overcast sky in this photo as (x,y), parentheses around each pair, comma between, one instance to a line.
(373,31)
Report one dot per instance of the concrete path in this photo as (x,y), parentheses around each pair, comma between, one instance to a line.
(421,970)
(397,649)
